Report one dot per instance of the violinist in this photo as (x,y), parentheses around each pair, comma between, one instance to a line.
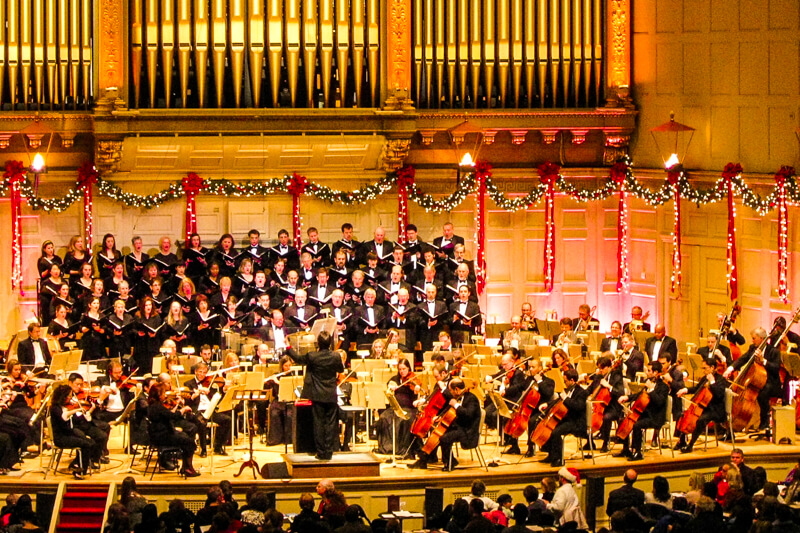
(609,375)
(632,358)
(84,404)
(178,395)
(280,415)
(567,336)
(465,429)
(772,362)
(714,411)
(512,383)
(573,423)
(67,432)
(119,391)
(14,420)
(546,388)
(712,345)
(560,360)
(405,387)
(163,426)
(203,387)
(653,415)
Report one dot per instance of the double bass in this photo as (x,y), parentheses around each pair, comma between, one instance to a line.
(724,329)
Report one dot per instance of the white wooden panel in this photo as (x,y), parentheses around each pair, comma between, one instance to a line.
(500,252)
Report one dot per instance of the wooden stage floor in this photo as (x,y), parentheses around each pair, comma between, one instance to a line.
(504,467)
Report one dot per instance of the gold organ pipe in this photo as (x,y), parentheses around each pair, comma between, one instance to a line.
(477,45)
(429,44)
(419,51)
(38,48)
(598,48)
(543,45)
(554,47)
(293,29)
(219,44)
(167,46)
(531,49)
(503,43)
(586,47)
(25,42)
(577,43)
(518,44)
(463,46)
(566,51)
(373,28)
(2,46)
(489,46)
(86,47)
(310,46)
(136,47)
(13,49)
(237,42)
(184,45)
(275,36)
(357,21)
(74,49)
(201,26)
(256,43)
(452,47)
(342,45)
(441,47)
(326,38)
(152,47)
(52,56)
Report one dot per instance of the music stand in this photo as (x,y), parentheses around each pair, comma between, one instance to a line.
(207,414)
(247,395)
(324,324)
(400,413)
(502,411)
(226,404)
(65,362)
(374,399)
(125,417)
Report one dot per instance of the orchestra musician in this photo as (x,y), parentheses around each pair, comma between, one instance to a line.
(68,434)
(203,387)
(709,351)
(661,342)
(632,358)
(24,394)
(344,390)
(546,387)
(637,322)
(33,351)
(84,420)
(117,391)
(405,387)
(610,376)
(585,320)
(560,360)
(772,362)
(714,411)
(613,342)
(567,335)
(675,383)
(734,336)
(653,415)
(513,382)
(573,423)
(464,429)
(163,429)
(527,318)
(319,386)
(280,414)
(791,336)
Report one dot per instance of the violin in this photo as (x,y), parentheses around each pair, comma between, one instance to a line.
(125,382)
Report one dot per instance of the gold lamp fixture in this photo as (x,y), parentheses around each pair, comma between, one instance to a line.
(672,141)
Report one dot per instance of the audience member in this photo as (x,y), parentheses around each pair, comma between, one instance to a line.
(459,518)
(132,500)
(627,496)
(332,505)
(477,522)
(177,518)
(661,494)
(565,505)
(353,522)
(477,491)
(520,514)
(307,520)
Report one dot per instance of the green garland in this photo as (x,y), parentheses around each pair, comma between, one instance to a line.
(466,186)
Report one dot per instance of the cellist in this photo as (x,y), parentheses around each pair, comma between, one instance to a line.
(714,411)
(772,362)
(442,378)
(653,415)
(546,388)
(573,423)
(609,375)
(465,429)
(513,383)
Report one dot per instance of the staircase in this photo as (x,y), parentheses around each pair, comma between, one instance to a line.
(82,508)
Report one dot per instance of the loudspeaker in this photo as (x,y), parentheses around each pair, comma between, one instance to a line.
(274,471)
(434,503)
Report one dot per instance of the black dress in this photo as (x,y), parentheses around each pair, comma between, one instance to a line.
(405,396)
(162,429)
(93,342)
(54,329)
(147,341)
(119,335)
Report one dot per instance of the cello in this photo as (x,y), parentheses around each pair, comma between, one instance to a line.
(440,425)
(639,405)
(600,399)
(425,417)
(546,426)
(518,424)
(688,421)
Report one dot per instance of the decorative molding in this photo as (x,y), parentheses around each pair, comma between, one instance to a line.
(579,136)
(549,136)
(108,154)
(399,54)
(111,71)
(488,136)
(394,153)
(427,136)
(618,54)
(615,147)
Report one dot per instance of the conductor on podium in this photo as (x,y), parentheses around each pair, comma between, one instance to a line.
(319,386)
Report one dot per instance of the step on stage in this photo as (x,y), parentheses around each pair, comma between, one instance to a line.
(346,464)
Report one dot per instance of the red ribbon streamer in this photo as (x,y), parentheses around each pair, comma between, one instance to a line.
(548,174)
(405,180)
(483,171)
(87,177)
(14,176)
(731,171)
(192,185)
(618,174)
(297,187)
(783,175)
(674,180)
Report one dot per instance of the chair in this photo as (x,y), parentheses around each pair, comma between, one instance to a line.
(157,450)
(589,412)
(729,395)
(57,451)
(473,445)
(666,428)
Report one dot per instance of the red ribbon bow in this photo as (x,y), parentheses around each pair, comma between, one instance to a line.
(297,184)
(548,172)
(15,171)
(482,168)
(87,174)
(783,175)
(405,177)
(619,171)
(192,183)
(731,171)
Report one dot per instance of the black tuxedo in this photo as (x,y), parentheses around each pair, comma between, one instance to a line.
(339,278)
(308,316)
(715,410)
(385,293)
(259,255)
(325,298)
(448,248)
(360,323)
(593,324)
(343,320)
(605,345)
(668,345)
(370,246)
(428,335)
(451,290)
(25,353)
(351,250)
(654,415)
(409,325)
(268,333)
(706,354)
(573,423)
(419,290)
(452,265)
(290,253)
(355,295)
(465,429)
(320,253)
(625,497)
(773,387)
(634,364)
(319,386)
(460,331)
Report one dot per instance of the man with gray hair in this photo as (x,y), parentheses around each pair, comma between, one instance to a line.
(771,359)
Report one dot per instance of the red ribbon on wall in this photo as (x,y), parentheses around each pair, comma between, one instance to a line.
(297,187)
(618,173)
(87,177)
(483,171)
(405,180)
(14,176)
(192,185)
(548,174)
(731,171)
(783,175)
(674,178)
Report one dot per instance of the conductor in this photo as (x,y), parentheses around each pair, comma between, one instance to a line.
(319,386)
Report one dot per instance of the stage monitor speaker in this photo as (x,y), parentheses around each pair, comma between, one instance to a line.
(434,504)
(274,471)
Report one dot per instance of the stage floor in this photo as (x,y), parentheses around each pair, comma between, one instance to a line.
(509,467)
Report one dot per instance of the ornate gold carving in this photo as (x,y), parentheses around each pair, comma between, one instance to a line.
(579,136)
(5,140)
(393,153)
(108,154)
(549,136)
(399,54)
(616,146)
(488,136)
(619,54)
(111,71)
(427,136)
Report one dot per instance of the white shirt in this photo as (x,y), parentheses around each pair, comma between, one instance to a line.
(38,356)
(301,313)
(337,312)
(379,250)
(280,340)
(462,308)
(115,404)
(371,315)
(432,308)
(656,349)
